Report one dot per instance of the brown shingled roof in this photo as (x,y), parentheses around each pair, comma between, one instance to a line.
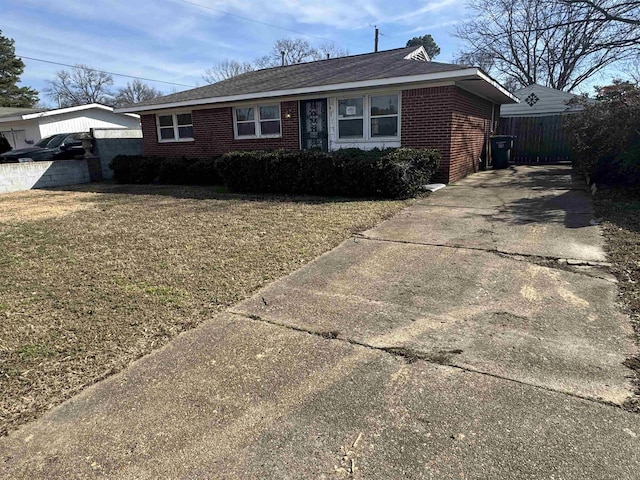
(368,66)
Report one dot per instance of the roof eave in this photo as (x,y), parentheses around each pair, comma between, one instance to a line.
(404,80)
(78,108)
(11,119)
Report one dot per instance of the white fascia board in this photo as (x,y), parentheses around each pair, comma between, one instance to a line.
(11,119)
(61,111)
(381,82)
(497,86)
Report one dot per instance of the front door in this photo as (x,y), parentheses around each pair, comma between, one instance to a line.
(313,124)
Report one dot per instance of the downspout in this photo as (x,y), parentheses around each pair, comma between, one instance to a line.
(487,158)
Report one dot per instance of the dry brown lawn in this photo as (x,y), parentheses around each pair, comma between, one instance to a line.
(92,278)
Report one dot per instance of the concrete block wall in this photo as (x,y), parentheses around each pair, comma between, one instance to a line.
(108,148)
(15,177)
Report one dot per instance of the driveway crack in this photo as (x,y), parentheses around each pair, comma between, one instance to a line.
(560,263)
(442,358)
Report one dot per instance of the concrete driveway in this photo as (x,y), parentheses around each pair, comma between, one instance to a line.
(474,335)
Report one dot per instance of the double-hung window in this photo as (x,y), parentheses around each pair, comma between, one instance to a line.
(175,127)
(368,117)
(384,115)
(351,117)
(257,121)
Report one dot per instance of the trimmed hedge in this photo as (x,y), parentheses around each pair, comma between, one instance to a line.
(175,171)
(389,173)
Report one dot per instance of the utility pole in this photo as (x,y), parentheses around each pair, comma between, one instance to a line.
(376,41)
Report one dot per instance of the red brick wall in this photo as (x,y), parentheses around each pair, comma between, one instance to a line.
(447,118)
(451,120)
(426,121)
(213,134)
(470,130)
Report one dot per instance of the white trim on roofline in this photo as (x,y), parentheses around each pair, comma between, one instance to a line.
(10,119)
(380,82)
(61,111)
(419,54)
(497,86)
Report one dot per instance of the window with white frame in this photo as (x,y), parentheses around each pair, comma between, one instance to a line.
(257,121)
(351,118)
(175,127)
(368,117)
(384,115)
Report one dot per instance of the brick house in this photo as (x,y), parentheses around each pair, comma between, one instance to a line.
(386,99)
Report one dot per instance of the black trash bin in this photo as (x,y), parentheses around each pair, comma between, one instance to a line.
(501,146)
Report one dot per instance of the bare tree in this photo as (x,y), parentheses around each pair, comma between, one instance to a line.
(296,50)
(627,12)
(484,60)
(80,86)
(226,69)
(540,41)
(135,92)
(631,71)
(330,50)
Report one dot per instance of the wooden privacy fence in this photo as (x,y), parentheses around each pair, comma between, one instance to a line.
(538,139)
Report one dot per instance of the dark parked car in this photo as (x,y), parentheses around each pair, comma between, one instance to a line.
(62,146)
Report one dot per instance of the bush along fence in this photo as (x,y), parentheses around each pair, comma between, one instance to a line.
(388,173)
(606,135)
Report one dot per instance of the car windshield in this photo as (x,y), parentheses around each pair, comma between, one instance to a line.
(51,142)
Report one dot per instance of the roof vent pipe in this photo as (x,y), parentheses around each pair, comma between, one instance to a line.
(328,55)
(282,54)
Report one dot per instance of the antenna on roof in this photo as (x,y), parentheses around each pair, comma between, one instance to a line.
(376,39)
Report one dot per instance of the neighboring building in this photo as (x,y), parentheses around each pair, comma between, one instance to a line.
(539,101)
(386,99)
(25,126)
(536,122)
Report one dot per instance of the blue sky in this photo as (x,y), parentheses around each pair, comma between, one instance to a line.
(175,41)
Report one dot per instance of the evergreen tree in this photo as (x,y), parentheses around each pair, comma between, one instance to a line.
(429,44)
(11,67)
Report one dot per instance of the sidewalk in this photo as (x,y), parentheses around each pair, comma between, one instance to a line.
(474,335)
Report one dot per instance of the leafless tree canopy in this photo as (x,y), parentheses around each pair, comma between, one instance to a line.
(135,92)
(295,50)
(610,10)
(80,86)
(330,49)
(554,43)
(226,69)
(631,70)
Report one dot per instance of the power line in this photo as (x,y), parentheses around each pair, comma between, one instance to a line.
(104,71)
(260,22)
